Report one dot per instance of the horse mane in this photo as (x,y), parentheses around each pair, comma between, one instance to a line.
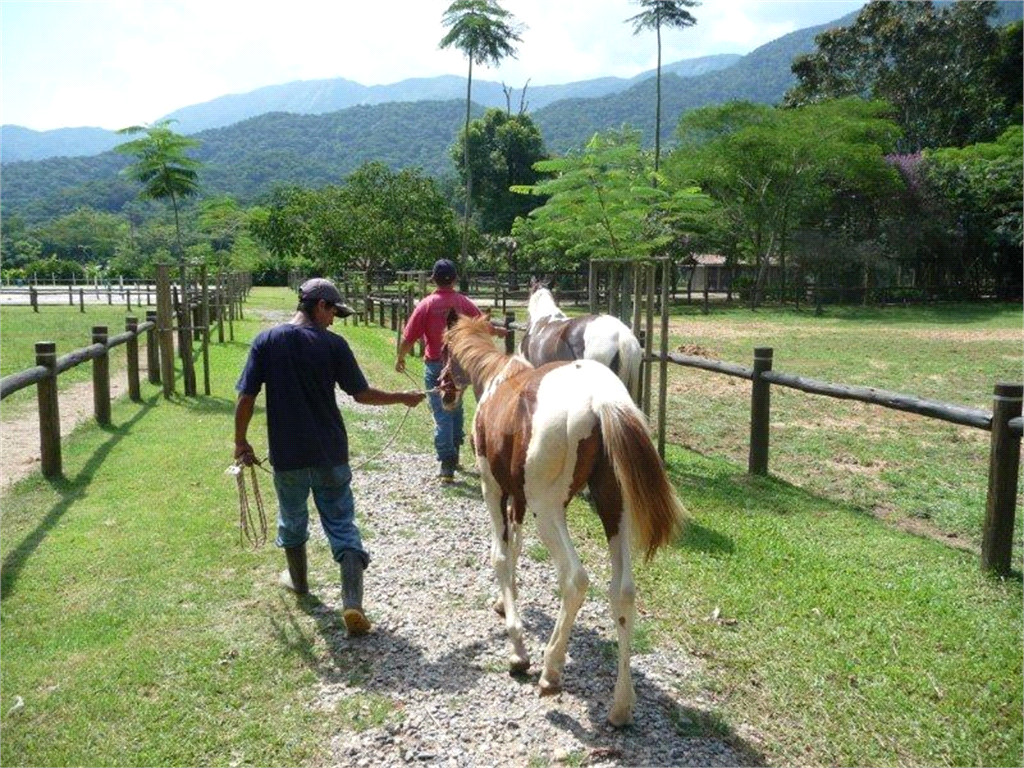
(470,343)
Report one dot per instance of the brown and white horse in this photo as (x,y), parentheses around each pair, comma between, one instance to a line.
(541,434)
(552,335)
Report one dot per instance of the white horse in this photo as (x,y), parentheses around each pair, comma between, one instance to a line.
(551,335)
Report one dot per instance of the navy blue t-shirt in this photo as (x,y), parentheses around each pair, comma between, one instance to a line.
(300,365)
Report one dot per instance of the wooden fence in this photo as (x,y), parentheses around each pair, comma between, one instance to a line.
(48,367)
(128,294)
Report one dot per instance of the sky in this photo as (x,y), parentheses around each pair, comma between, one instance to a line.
(115,63)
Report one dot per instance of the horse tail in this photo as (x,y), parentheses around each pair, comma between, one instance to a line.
(656,514)
(630,357)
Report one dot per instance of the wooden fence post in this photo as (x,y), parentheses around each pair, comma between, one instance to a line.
(204,321)
(510,335)
(33,298)
(1004,459)
(49,410)
(152,348)
(663,363)
(165,320)
(101,377)
(81,300)
(760,413)
(131,324)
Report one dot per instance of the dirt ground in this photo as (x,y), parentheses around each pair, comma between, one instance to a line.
(19,429)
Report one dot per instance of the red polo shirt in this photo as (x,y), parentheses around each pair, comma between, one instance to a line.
(430,317)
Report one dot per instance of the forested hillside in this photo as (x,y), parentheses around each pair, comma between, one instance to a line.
(249,159)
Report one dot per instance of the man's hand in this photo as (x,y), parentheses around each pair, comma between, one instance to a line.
(244,454)
(400,365)
(412,399)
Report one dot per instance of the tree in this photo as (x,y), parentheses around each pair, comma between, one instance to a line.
(773,170)
(599,205)
(167,173)
(952,78)
(161,165)
(659,13)
(502,151)
(485,33)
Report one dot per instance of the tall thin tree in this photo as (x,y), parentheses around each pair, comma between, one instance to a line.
(658,14)
(486,33)
(167,173)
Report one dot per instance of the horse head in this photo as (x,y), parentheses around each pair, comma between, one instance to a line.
(453,379)
(542,300)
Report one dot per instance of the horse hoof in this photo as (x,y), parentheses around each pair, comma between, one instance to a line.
(518,666)
(618,719)
(499,607)
(547,688)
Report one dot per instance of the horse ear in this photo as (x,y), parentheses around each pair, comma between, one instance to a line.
(452,317)
(534,283)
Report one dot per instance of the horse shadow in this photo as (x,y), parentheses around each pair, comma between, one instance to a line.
(660,717)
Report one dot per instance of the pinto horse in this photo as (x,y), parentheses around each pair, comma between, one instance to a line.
(540,435)
(551,335)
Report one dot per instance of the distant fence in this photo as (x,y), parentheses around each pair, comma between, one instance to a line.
(128,294)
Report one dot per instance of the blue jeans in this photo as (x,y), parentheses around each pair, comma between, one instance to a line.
(332,494)
(448,434)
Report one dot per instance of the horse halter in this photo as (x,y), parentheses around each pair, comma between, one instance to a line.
(452,381)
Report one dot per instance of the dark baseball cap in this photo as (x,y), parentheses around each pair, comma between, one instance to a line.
(444,271)
(320,288)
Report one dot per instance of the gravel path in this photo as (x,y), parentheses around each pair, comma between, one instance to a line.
(437,649)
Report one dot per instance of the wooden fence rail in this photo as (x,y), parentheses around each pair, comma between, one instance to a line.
(48,367)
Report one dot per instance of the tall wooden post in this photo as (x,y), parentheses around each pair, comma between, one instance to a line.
(101,377)
(663,365)
(645,369)
(1004,459)
(166,322)
(204,321)
(131,324)
(152,347)
(49,410)
(760,412)
(510,335)
(592,287)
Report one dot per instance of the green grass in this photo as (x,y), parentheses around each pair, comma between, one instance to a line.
(138,631)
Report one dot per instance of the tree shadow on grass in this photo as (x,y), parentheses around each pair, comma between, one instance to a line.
(71,490)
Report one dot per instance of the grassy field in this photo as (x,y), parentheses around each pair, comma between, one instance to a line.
(137,632)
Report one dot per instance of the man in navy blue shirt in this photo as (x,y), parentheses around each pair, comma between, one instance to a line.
(301,362)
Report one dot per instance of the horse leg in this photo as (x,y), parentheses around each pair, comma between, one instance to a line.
(515,547)
(622,597)
(572,581)
(503,558)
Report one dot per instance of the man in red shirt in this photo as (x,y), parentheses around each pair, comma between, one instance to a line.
(428,321)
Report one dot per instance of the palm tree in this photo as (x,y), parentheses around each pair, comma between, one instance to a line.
(656,14)
(486,33)
(165,172)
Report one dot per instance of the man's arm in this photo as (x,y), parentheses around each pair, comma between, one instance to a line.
(403,349)
(243,415)
(371,396)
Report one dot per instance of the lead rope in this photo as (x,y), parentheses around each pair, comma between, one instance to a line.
(401,424)
(255,531)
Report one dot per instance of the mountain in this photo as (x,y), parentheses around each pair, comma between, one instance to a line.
(18,143)
(317,97)
(761,76)
(247,159)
